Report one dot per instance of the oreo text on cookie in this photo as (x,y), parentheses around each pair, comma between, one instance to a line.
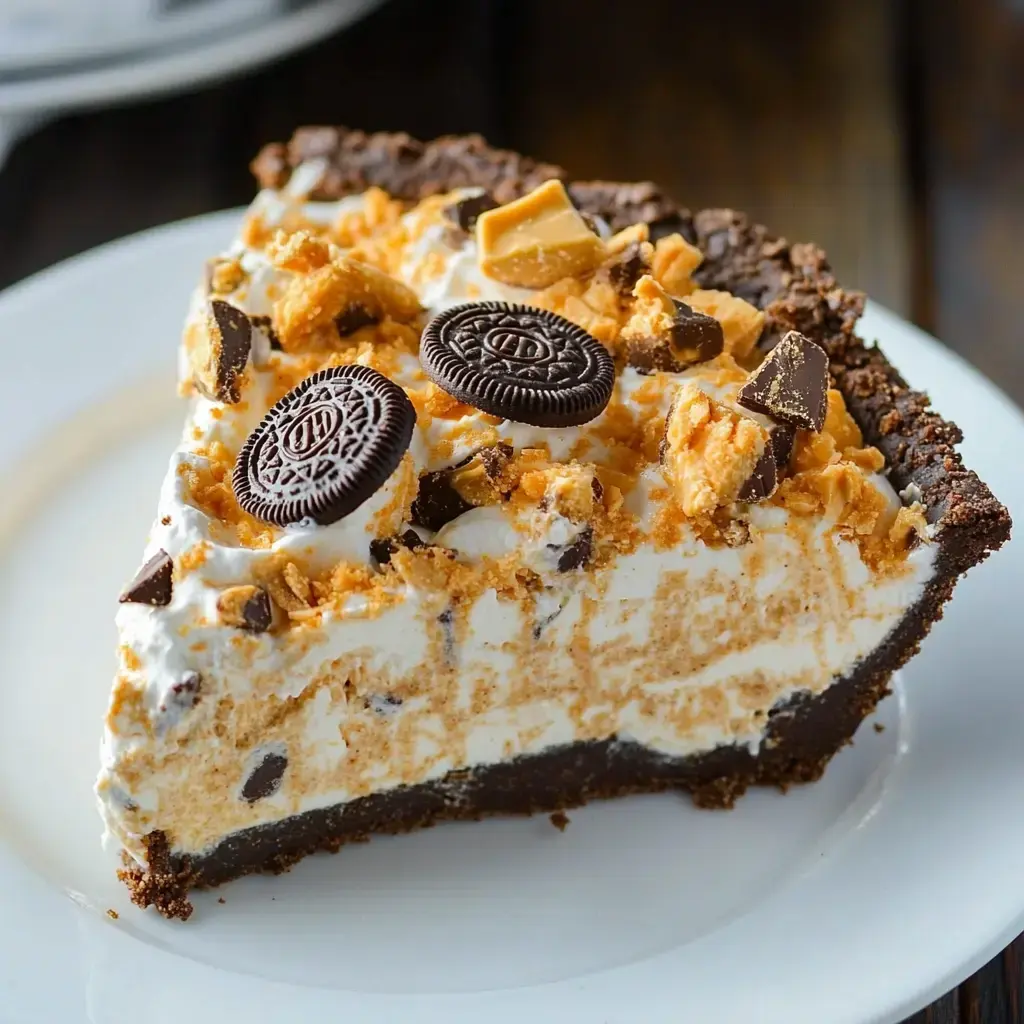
(324,448)
(517,362)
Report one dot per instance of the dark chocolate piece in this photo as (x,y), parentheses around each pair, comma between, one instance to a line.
(437,502)
(766,474)
(696,337)
(692,338)
(627,268)
(257,612)
(265,779)
(153,584)
(382,548)
(578,553)
(517,362)
(791,385)
(353,318)
(325,448)
(230,341)
(464,212)
(763,478)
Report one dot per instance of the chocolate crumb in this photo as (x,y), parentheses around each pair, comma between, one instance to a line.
(879,727)
(113,915)
(560,820)
(220,899)
(166,521)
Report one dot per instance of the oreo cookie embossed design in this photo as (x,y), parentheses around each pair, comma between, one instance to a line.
(519,363)
(325,448)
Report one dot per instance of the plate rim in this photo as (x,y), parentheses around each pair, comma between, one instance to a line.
(218,224)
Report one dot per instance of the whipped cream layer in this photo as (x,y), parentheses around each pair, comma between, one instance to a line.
(677,643)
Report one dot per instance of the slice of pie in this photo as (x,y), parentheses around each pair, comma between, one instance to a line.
(500,493)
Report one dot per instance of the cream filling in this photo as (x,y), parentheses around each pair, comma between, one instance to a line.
(680,650)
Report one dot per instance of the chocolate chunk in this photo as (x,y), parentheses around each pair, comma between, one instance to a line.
(763,478)
(382,548)
(791,385)
(692,338)
(153,583)
(246,607)
(437,502)
(325,448)
(265,779)
(627,268)
(229,341)
(578,553)
(766,474)
(266,325)
(353,318)
(257,613)
(696,337)
(781,437)
(519,363)
(464,212)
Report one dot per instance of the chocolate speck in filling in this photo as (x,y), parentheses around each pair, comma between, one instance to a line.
(382,548)
(184,695)
(447,622)
(577,554)
(353,318)
(265,779)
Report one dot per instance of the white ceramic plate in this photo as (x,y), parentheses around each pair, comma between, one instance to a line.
(857,899)
(156,71)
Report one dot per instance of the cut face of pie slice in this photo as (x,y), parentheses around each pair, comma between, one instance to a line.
(498,494)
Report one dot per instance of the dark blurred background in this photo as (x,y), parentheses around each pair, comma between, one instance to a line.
(889,131)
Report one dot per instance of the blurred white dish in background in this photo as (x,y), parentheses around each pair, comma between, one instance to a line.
(44,34)
(26,100)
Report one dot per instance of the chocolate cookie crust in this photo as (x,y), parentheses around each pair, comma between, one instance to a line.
(797,290)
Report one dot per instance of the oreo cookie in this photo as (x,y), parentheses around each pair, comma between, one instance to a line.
(522,364)
(324,448)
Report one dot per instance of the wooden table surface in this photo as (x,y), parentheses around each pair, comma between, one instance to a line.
(892,133)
